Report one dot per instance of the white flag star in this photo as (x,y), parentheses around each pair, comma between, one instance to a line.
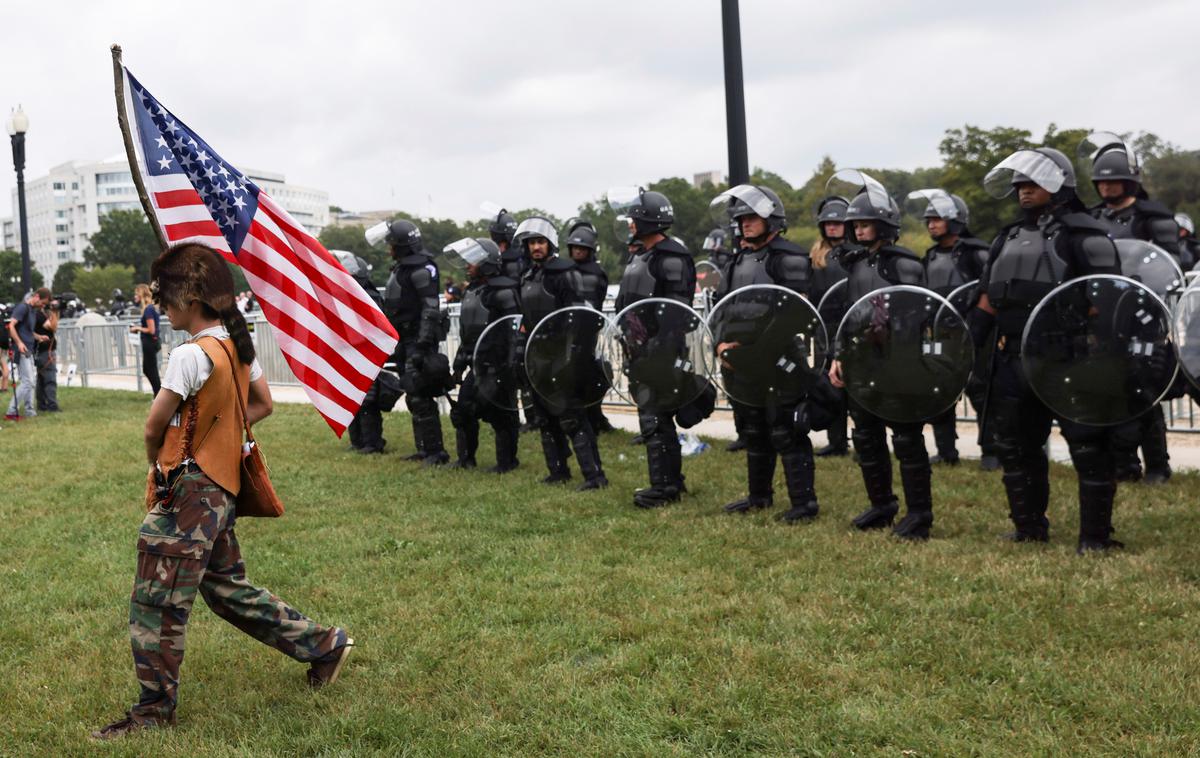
(203,156)
(240,203)
(164,163)
(172,128)
(161,141)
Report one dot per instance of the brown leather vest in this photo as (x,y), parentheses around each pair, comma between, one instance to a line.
(210,429)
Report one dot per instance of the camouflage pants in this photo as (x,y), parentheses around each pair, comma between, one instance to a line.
(185,544)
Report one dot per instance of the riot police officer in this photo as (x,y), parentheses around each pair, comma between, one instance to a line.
(501,230)
(551,283)
(659,266)
(1189,246)
(826,256)
(717,246)
(1053,241)
(766,257)
(879,262)
(955,259)
(1126,211)
(490,296)
(366,429)
(411,304)
(582,243)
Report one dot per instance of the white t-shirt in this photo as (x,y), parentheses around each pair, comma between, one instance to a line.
(188,367)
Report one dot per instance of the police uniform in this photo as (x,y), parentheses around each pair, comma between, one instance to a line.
(771,433)
(411,304)
(485,301)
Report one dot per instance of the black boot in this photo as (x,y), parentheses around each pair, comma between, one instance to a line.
(556,461)
(507,438)
(945,438)
(1095,516)
(663,489)
(736,445)
(798,474)
(353,433)
(370,432)
(877,478)
(1026,506)
(760,471)
(466,440)
(918,500)
(587,454)
(1154,447)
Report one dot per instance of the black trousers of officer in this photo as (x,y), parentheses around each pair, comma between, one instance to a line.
(366,429)
(664,457)
(1149,431)
(426,423)
(466,414)
(560,431)
(1022,426)
(770,434)
(870,442)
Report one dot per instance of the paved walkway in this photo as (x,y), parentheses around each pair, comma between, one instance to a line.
(1185,448)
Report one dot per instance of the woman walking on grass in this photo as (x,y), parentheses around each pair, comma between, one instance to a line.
(186,543)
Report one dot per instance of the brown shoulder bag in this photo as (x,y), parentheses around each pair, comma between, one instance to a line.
(256,498)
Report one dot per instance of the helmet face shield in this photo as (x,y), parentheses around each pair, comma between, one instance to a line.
(623,198)
(1100,143)
(714,241)
(377,235)
(933,203)
(536,226)
(740,201)
(1022,166)
(466,250)
(850,182)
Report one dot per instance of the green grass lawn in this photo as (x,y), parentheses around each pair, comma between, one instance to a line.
(500,616)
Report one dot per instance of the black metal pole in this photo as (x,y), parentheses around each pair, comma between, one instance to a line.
(18,148)
(735,98)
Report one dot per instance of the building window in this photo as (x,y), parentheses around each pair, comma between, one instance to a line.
(64,255)
(61,228)
(59,186)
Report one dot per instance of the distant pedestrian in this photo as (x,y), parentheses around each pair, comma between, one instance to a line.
(45,360)
(150,331)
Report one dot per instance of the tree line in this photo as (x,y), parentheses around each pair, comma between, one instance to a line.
(120,252)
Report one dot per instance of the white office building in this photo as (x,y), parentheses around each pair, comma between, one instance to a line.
(64,208)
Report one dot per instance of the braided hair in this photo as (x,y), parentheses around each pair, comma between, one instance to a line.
(190,272)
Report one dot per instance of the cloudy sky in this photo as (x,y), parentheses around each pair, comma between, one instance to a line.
(434,106)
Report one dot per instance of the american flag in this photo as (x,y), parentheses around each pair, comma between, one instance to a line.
(334,338)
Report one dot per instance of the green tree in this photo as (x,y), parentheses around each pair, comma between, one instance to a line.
(125,238)
(1173,178)
(98,283)
(64,277)
(10,276)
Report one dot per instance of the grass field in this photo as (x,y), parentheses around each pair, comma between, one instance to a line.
(500,616)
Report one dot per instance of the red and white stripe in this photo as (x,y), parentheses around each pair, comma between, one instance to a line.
(333,336)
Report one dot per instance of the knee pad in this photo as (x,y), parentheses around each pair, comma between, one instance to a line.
(571,422)
(910,446)
(1093,461)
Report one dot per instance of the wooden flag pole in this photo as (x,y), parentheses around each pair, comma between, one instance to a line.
(130,152)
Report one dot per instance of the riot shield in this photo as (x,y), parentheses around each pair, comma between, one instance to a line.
(905,352)
(1149,264)
(1097,350)
(663,354)
(563,358)
(1186,331)
(964,297)
(491,363)
(771,345)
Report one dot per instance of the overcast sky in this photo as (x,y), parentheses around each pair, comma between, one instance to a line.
(434,107)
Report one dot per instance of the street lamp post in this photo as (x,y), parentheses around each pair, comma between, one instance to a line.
(18,124)
(735,99)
